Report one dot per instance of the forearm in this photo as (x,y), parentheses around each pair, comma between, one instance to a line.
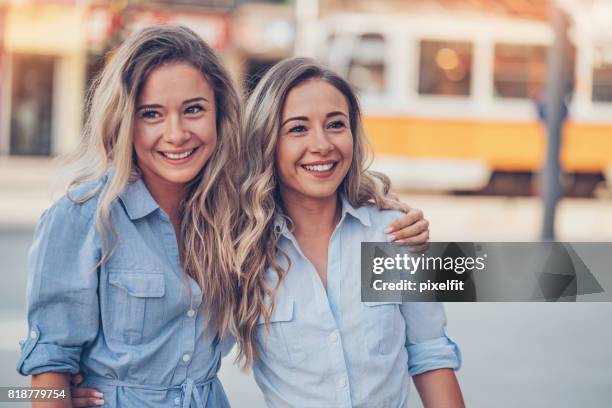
(439,389)
(52,381)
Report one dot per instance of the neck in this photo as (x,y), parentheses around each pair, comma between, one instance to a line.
(312,215)
(167,195)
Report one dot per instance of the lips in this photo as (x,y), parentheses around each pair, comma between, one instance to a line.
(323,167)
(321,170)
(178,157)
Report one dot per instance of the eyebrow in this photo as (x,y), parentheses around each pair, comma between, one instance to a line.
(185,102)
(305,118)
(196,99)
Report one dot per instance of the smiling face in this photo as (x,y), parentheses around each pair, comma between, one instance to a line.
(174,126)
(315,146)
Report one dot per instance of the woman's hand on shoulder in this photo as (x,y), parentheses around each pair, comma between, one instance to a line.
(411,229)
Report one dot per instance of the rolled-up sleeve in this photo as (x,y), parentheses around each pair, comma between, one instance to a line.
(428,344)
(62,300)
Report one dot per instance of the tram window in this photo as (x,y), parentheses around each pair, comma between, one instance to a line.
(602,76)
(445,68)
(366,69)
(519,70)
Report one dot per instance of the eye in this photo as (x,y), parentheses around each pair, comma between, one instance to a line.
(337,124)
(297,129)
(193,109)
(149,114)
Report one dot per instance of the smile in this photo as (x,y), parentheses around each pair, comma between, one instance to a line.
(178,156)
(321,168)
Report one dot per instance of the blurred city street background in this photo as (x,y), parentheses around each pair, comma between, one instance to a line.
(453,93)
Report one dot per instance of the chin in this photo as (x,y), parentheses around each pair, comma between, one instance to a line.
(182,177)
(320,193)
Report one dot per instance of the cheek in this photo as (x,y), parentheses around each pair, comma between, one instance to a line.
(281,164)
(284,154)
(143,142)
(346,149)
(287,154)
(146,134)
(207,131)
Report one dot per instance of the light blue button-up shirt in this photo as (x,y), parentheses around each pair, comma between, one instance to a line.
(129,324)
(326,348)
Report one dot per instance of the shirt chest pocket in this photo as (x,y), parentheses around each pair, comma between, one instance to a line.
(129,296)
(384,326)
(283,342)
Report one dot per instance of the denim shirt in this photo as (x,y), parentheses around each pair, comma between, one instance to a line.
(131,325)
(325,348)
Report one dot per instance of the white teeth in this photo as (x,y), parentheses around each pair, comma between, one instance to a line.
(178,156)
(320,167)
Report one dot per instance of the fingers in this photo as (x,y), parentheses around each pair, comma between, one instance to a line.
(410,218)
(420,239)
(76,379)
(86,397)
(85,392)
(413,234)
(86,402)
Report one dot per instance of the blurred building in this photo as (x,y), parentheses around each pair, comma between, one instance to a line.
(43,55)
(263,34)
(51,49)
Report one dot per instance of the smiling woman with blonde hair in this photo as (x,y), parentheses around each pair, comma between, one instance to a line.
(309,201)
(132,274)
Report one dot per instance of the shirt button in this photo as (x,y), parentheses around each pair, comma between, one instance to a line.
(191,313)
(186,358)
(333,337)
(33,335)
(342,383)
(177,401)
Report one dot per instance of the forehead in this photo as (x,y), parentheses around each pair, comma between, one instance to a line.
(178,79)
(312,97)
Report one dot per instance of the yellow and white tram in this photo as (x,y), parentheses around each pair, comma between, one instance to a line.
(451,98)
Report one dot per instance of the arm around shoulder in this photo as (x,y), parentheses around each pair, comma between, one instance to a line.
(52,381)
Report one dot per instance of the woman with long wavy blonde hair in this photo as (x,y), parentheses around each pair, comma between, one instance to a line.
(308,201)
(132,273)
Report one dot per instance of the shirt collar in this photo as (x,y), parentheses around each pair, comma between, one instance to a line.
(361,214)
(137,200)
(280,224)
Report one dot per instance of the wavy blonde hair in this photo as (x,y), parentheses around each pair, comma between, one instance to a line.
(257,243)
(209,209)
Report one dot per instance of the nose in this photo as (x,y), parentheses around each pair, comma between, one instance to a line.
(175,132)
(320,142)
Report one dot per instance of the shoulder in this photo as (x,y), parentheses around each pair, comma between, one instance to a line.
(373,222)
(78,206)
(381,218)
